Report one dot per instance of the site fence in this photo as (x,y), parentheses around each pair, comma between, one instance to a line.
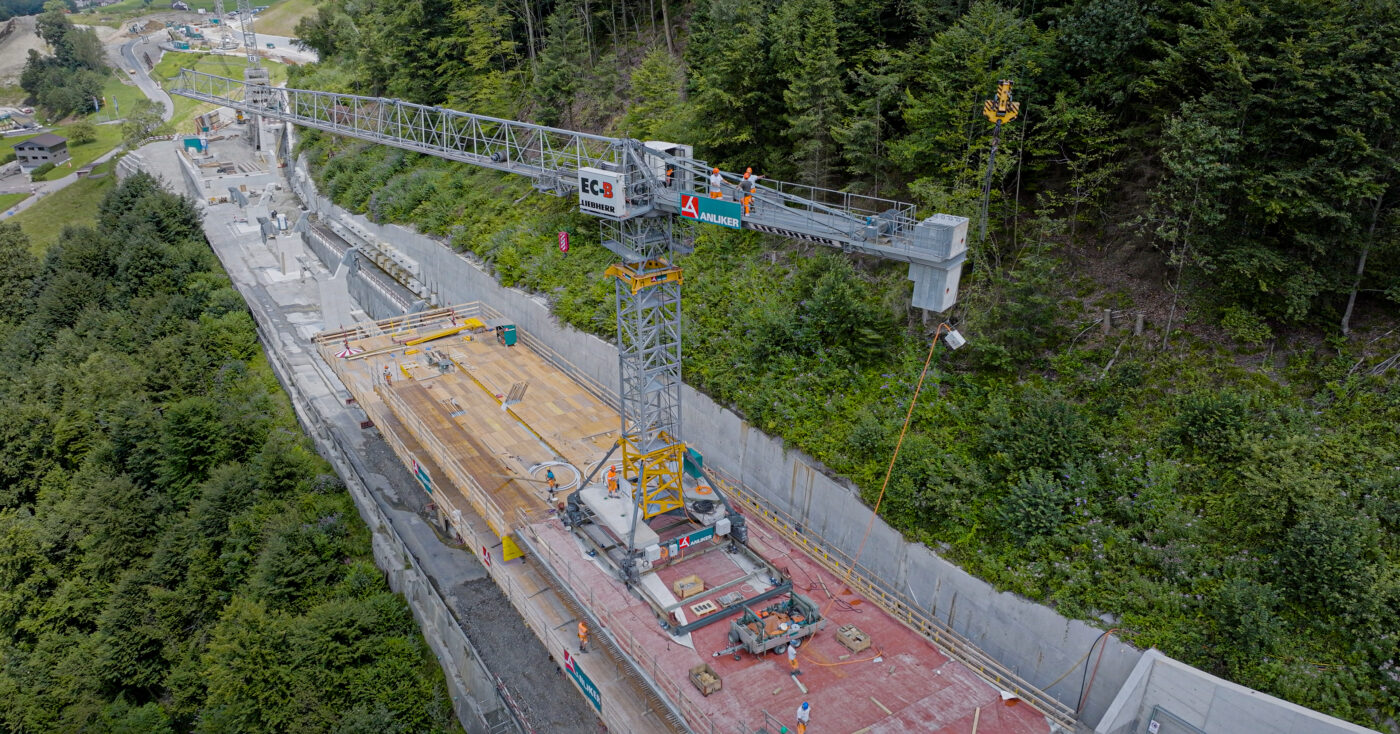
(896,604)
(620,634)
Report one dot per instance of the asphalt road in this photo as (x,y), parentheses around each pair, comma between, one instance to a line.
(131,62)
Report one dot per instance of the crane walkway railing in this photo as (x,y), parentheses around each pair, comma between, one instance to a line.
(549,155)
(553,158)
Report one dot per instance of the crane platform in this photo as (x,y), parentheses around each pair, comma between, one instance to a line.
(455,412)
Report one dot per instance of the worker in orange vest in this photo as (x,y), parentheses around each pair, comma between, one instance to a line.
(553,484)
(792,659)
(582,636)
(804,716)
(747,187)
(716,184)
(612,482)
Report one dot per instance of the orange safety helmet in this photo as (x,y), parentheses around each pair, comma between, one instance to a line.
(748,170)
(714,170)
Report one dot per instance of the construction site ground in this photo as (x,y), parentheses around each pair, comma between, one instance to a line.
(445,411)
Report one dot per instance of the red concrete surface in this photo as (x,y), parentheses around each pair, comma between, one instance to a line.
(923,690)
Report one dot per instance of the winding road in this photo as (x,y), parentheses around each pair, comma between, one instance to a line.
(129,59)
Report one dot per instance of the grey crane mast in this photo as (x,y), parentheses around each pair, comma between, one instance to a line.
(641,192)
(256,77)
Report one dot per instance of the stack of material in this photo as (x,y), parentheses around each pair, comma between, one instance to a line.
(851,636)
(688,586)
(705,679)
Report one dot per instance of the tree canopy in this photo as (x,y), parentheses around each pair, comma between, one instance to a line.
(173,554)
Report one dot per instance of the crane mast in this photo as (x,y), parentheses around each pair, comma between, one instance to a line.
(640,191)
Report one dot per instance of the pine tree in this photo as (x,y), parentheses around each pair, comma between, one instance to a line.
(557,73)
(735,105)
(864,133)
(807,60)
(656,106)
(479,60)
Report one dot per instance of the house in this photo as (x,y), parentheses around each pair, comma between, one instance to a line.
(41,149)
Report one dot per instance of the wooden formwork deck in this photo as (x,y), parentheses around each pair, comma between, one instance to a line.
(490,452)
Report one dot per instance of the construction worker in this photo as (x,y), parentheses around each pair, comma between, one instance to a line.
(582,636)
(792,659)
(747,186)
(549,480)
(670,175)
(716,184)
(804,716)
(612,482)
(387,379)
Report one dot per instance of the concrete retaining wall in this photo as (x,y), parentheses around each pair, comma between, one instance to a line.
(378,300)
(1196,699)
(1041,646)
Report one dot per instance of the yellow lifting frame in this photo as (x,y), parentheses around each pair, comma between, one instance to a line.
(658,272)
(1002,109)
(661,473)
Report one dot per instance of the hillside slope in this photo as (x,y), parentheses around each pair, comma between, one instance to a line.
(1224,486)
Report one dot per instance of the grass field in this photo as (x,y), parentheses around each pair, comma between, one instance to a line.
(12,95)
(108,137)
(9,200)
(120,98)
(74,205)
(281,18)
(226,66)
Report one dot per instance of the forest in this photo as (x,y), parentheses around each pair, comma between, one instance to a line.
(174,556)
(70,79)
(1224,486)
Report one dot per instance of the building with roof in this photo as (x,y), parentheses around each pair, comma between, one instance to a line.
(41,149)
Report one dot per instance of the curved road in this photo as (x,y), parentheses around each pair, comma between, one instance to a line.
(136,69)
(131,61)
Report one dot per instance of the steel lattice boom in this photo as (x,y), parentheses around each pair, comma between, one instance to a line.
(639,190)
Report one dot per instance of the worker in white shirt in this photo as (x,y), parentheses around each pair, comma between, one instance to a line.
(716,184)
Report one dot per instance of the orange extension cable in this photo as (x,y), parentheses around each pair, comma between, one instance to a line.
(855,561)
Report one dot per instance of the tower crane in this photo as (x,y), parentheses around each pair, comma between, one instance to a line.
(639,191)
(225,37)
(256,77)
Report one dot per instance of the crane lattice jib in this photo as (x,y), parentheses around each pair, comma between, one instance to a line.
(550,156)
(556,159)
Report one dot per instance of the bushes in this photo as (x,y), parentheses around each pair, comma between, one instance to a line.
(1034,507)
(1036,430)
(39,172)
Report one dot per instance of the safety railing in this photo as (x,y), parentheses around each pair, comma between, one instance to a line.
(447,460)
(896,604)
(621,634)
(538,151)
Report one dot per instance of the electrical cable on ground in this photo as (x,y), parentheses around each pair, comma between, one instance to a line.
(908,417)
